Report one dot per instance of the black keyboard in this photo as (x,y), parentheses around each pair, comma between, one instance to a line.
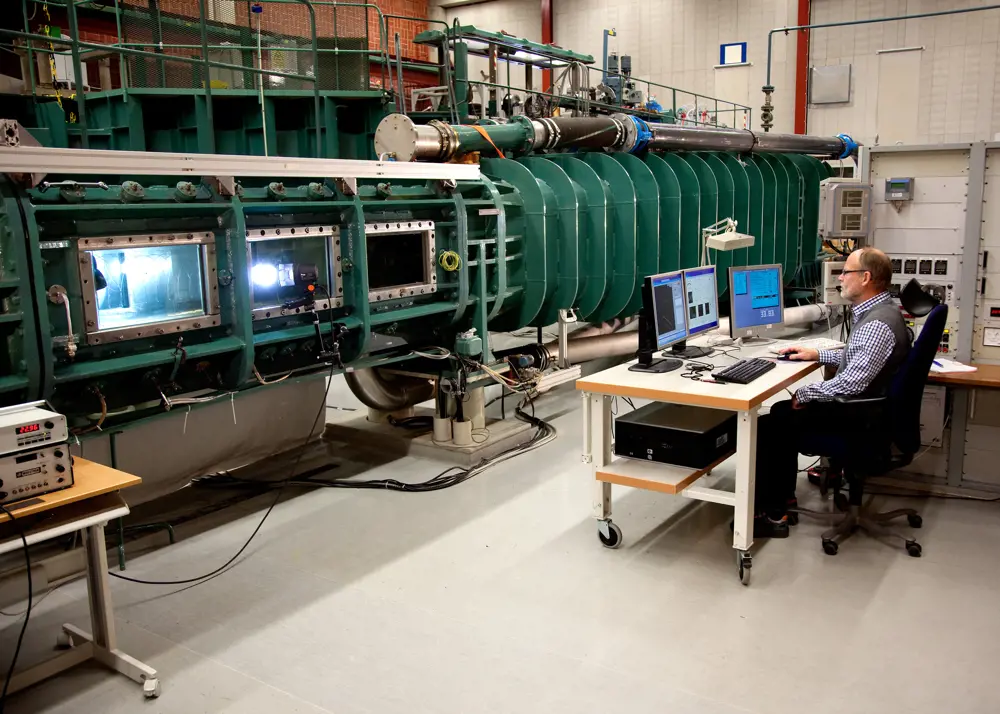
(744,371)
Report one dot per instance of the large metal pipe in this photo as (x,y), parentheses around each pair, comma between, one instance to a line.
(626,342)
(399,137)
(387,393)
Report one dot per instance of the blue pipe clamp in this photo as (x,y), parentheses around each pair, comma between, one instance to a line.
(642,135)
(850,145)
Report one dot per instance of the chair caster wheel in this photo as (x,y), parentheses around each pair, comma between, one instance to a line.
(915,521)
(830,547)
(63,641)
(913,548)
(613,538)
(841,502)
(744,562)
(151,688)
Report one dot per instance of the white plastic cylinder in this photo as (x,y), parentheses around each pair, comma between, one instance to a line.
(442,430)
(462,433)
(475,408)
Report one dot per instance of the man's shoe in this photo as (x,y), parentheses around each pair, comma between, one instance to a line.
(765,527)
(792,512)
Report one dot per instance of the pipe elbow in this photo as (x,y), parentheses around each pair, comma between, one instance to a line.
(386,392)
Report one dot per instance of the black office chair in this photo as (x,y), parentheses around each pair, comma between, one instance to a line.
(917,302)
(884,434)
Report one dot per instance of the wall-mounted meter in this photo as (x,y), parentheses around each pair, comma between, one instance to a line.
(899,189)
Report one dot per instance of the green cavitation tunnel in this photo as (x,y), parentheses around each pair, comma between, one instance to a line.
(122,296)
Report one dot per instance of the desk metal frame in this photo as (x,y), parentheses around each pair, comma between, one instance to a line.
(597,452)
(746,400)
(102,645)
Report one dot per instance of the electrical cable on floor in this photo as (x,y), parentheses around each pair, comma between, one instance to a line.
(277,496)
(27,612)
(943,496)
(453,476)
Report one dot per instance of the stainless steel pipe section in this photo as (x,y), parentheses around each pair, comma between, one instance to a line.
(399,137)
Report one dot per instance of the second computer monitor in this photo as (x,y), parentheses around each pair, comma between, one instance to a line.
(756,300)
(702,299)
(670,321)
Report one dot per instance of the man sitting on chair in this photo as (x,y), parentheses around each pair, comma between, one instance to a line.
(877,347)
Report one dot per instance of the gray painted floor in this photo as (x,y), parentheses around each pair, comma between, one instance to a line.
(496,596)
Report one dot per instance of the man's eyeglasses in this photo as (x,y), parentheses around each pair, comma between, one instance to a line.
(847,272)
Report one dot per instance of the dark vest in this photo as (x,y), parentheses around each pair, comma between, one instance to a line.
(889,314)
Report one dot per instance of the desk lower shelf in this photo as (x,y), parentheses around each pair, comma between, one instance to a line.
(652,475)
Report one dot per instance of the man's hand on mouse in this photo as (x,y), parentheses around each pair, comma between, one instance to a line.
(799,354)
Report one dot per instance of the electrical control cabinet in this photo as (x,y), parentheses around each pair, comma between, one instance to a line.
(844,209)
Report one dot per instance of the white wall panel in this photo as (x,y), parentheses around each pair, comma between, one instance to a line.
(951,93)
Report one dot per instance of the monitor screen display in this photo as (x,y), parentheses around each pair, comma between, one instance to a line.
(702,299)
(669,308)
(756,296)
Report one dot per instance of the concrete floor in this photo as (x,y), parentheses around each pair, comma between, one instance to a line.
(496,596)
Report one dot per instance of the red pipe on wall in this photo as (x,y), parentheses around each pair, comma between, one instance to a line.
(802,69)
(546,40)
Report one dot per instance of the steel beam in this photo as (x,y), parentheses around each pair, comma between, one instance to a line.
(39,159)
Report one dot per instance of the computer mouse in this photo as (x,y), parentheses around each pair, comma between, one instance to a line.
(784,357)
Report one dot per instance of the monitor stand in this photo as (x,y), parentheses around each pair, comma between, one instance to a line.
(682,351)
(657,366)
(753,341)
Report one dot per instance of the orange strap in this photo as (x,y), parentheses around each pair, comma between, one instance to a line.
(486,136)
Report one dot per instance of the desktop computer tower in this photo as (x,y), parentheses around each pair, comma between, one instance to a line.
(676,434)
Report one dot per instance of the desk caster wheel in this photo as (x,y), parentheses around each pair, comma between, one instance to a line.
(151,688)
(610,535)
(830,547)
(913,548)
(914,520)
(744,562)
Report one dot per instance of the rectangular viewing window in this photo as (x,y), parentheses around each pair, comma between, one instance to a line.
(148,285)
(279,257)
(400,260)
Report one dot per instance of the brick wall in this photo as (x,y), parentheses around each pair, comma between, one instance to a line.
(294,20)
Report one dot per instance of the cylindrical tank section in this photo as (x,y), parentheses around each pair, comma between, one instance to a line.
(397,136)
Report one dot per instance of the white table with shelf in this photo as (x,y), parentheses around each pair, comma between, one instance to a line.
(745,399)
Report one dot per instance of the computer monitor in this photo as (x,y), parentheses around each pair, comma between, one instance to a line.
(756,300)
(702,297)
(662,320)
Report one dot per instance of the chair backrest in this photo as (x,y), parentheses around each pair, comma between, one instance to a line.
(907,388)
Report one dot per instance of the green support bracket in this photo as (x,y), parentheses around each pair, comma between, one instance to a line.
(670,213)
(565,272)
(595,248)
(691,222)
(624,296)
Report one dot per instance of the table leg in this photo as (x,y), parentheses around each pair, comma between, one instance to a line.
(959,423)
(102,618)
(102,645)
(746,464)
(597,452)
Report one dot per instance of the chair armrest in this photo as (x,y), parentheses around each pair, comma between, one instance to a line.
(867,412)
(861,401)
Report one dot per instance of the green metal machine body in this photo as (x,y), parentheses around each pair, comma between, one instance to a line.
(176,288)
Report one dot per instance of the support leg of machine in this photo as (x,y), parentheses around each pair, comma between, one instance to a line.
(746,466)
